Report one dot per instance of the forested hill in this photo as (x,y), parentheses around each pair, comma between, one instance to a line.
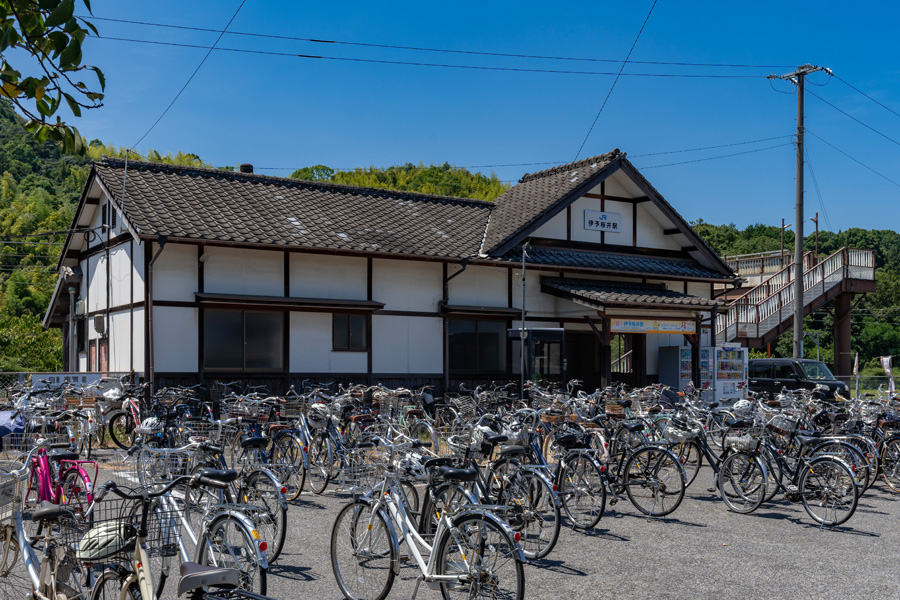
(40,186)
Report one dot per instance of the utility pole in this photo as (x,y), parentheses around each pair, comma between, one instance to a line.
(798,78)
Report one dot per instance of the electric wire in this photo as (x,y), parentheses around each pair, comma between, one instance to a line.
(442,50)
(425,64)
(851,157)
(843,112)
(687,162)
(856,89)
(191,78)
(816,186)
(615,81)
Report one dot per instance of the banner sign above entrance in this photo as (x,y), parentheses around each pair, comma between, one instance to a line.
(594,220)
(651,326)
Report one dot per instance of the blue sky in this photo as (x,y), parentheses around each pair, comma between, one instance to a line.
(283,112)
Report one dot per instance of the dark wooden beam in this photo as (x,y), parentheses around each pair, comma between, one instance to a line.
(92,200)
(689,249)
(671,231)
(637,200)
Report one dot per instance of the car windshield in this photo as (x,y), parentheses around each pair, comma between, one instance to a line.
(817,370)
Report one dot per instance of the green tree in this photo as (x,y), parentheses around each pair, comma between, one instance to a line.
(316,173)
(48,31)
(26,346)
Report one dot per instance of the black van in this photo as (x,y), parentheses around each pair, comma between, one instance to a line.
(769,375)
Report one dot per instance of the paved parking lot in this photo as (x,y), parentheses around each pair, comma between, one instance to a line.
(701,551)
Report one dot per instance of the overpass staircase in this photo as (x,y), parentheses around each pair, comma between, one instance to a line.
(760,313)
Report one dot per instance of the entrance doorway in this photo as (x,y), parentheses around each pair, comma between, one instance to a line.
(583,359)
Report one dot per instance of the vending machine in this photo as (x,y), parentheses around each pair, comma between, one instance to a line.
(722,370)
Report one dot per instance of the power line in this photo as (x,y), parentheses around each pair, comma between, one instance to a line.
(424,64)
(854,159)
(843,112)
(442,50)
(816,185)
(847,83)
(687,162)
(6,243)
(777,137)
(615,81)
(191,78)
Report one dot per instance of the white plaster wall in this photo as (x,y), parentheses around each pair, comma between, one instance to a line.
(120,340)
(311,345)
(580,234)
(97,283)
(175,272)
(536,302)
(407,284)
(479,286)
(407,344)
(650,229)
(120,274)
(138,339)
(698,289)
(243,271)
(325,276)
(138,270)
(554,229)
(174,338)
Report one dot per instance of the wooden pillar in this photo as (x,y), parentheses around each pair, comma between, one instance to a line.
(605,353)
(842,352)
(639,359)
(695,358)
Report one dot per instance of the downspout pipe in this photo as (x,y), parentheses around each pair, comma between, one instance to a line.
(73,350)
(161,240)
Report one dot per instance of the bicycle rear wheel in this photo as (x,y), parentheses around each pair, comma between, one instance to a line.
(14,579)
(320,457)
(654,481)
(534,512)
(890,464)
(121,429)
(287,459)
(582,492)
(229,543)
(483,558)
(363,553)
(261,490)
(109,587)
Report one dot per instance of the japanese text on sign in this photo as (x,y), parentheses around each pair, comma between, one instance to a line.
(594,220)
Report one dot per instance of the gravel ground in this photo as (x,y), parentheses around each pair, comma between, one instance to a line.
(700,551)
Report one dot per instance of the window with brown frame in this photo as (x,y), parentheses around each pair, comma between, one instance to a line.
(243,340)
(348,333)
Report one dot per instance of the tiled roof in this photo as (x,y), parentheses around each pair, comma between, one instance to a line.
(536,193)
(210,204)
(604,261)
(614,292)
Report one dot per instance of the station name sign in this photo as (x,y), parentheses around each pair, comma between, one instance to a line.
(594,220)
(651,326)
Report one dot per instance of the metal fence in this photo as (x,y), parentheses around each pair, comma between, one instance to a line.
(52,379)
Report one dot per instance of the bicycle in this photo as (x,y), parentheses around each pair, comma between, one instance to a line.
(473,552)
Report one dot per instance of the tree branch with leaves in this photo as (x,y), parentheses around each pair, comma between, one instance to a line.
(52,35)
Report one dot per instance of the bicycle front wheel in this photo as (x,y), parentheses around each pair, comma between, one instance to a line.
(482,557)
(320,457)
(14,579)
(230,544)
(534,512)
(109,587)
(742,482)
(829,491)
(121,429)
(363,553)
(582,492)
(890,464)
(654,481)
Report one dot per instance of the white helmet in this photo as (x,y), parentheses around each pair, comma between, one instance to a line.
(149,425)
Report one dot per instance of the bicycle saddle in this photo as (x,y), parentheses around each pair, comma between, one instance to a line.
(254,442)
(495,438)
(442,461)
(47,511)
(512,451)
(457,474)
(634,426)
(63,455)
(809,433)
(624,403)
(194,575)
(738,423)
(566,439)
(223,475)
(805,440)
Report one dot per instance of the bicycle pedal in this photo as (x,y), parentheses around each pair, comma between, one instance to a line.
(613,501)
(792,488)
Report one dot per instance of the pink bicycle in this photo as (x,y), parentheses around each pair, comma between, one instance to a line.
(60,477)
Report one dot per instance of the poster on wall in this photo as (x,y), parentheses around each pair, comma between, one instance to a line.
(594,220)
(652,326)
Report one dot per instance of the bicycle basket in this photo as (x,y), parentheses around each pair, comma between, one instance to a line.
(746,442)
(681,435)
(11,487)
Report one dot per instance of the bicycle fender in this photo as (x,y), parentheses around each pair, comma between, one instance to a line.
(269,473)
(261,556)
